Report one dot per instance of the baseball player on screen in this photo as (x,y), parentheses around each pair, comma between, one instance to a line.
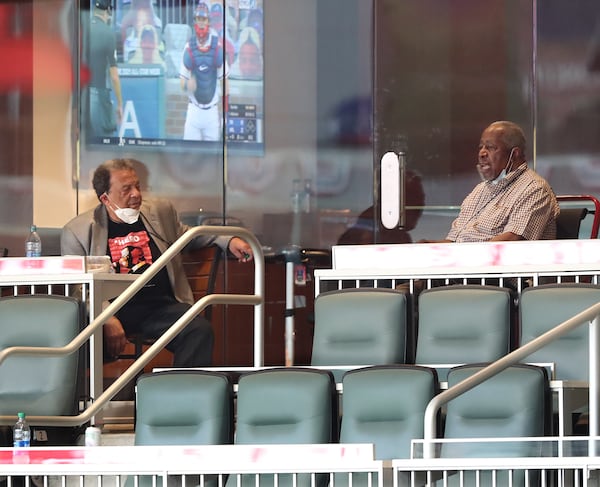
(201,72)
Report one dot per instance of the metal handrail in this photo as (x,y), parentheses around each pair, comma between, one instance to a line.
(591,315)
(256,299)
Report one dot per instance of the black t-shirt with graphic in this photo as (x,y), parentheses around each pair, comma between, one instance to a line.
(131,251)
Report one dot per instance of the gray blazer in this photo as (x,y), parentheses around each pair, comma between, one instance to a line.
(87,234)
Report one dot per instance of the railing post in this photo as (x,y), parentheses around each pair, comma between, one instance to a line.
(429,430)
(289,313)
(594,381)
(259,312)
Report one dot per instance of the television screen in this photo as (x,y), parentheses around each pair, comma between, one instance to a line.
(190,74)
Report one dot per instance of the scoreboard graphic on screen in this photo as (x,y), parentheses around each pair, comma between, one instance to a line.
(241,123)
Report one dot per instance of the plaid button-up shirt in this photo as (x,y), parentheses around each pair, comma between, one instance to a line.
(523,203)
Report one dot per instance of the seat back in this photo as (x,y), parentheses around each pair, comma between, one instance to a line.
(463,324)
(360,327)
(39,385)
(569,221)
(513,403)
(544,307)
(579,216)
(184,407)
(50,240)
(385,405)
(285,405)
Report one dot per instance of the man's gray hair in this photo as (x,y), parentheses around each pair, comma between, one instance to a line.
(511,134)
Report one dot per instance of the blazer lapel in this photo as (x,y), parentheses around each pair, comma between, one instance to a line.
(99,231)
(154,226)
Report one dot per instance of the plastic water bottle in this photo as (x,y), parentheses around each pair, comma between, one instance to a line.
(33,244)
(307,197)
(296,196)
(21,433)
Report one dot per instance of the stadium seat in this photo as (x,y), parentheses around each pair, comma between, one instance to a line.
(360,327)
(284,406)
(462,324)
(512,404)
(579,216)
(183,407)
(39,385)
(542,308)
(569,221)
(385,405)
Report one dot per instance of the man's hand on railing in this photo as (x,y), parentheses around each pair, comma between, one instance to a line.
(114,337)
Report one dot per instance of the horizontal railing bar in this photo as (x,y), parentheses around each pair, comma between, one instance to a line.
(589,315)
(256,300)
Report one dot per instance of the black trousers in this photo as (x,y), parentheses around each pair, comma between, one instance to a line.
(192,347)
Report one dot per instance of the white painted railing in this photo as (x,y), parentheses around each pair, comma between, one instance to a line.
(48,284)
(350,465)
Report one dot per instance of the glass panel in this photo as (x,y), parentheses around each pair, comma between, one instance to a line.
(568,87)
(317,128)
(444,71)
(341,83)
(35,115)
(16,102)
(317,159)
(450,69)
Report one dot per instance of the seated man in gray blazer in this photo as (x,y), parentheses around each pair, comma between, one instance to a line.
(134,233)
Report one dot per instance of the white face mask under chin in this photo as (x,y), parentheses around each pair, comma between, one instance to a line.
(502,174)
(499,178)
(126,215)
(496,180)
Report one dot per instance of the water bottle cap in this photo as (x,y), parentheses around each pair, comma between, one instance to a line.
(21,415)
(33,228)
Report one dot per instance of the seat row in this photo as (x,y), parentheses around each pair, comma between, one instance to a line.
(380,405)
(452,324)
